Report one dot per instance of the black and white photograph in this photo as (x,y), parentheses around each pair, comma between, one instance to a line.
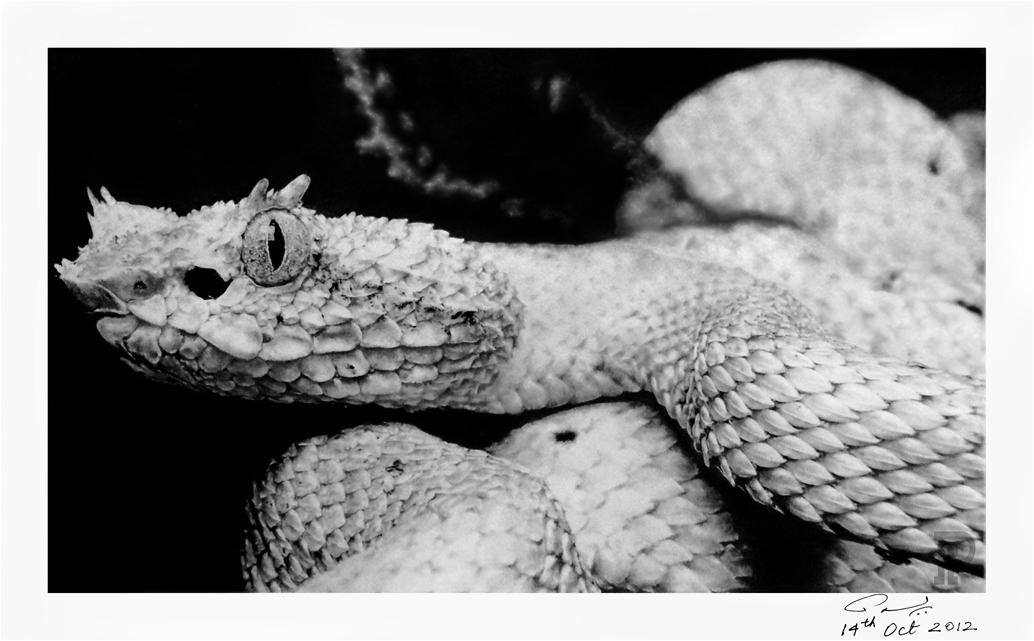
(384,319)
(597,304)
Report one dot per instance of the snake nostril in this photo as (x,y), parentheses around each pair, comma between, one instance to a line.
(565,436)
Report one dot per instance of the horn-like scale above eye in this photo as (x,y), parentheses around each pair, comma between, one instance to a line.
(276,247)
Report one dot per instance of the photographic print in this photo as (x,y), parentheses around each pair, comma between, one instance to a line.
(468,320)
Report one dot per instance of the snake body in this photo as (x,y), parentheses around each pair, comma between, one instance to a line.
(391,508)
(645,517)
(361,310)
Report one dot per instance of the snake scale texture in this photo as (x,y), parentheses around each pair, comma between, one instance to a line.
(829,368)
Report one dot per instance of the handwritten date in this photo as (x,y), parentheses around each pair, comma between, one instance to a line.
(897,620)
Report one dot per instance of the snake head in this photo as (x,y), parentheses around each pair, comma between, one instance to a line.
(267,299)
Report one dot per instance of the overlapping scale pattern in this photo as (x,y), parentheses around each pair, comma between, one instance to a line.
(391,508)
(864,169)
(888,452)
(646,518)
(939,333)
(643,517)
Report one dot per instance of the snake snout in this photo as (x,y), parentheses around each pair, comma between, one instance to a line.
(96,298)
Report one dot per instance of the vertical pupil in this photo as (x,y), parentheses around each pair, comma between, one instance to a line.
(276,246)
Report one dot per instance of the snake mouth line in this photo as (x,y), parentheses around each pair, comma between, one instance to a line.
(97,299)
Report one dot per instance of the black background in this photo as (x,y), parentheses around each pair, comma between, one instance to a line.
(147,482)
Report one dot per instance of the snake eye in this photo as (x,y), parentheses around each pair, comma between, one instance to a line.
(276,247)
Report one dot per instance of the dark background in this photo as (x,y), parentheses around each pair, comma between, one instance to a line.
(147,482)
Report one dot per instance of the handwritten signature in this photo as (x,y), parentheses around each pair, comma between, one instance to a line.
(876,600)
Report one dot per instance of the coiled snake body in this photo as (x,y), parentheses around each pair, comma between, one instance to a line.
(359,310)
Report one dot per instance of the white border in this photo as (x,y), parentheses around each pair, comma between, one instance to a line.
(28,29)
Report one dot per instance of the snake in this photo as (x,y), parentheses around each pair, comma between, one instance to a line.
(268,300)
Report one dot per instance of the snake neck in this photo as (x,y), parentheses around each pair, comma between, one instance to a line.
(609,318)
